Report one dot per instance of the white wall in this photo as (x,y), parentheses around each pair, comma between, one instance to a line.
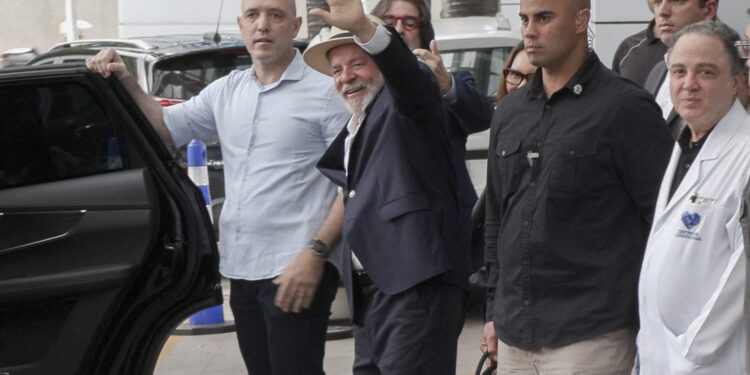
(155,17)
(188,16)
(35,23)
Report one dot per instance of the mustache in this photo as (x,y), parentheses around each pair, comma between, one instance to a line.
(357,106)
(347,87)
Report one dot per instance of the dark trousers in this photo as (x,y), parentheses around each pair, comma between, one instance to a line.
(273,342)
(413,332)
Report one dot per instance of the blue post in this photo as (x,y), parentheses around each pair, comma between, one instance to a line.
(210,320)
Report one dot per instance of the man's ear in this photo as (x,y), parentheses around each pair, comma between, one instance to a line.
(297,25)
(712,9)
(582,19)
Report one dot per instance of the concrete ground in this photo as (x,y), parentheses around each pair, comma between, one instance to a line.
(218,354)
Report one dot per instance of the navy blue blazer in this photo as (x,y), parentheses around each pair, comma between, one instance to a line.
(401,208)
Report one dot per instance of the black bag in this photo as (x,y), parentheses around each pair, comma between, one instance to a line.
(489,370)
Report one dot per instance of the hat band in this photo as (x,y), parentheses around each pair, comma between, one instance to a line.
(342,35)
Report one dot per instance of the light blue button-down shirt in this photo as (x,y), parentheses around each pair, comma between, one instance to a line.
(271,137)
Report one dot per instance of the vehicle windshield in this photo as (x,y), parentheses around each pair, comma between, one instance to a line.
(185,76)
(485,64)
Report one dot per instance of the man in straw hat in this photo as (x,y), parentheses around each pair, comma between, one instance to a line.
(407,272)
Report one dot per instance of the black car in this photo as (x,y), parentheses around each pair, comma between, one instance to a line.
(105,243)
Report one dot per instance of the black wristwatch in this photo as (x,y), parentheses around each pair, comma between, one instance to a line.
(319,247)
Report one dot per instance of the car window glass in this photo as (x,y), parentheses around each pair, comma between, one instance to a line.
(53,131)
(485,64)
(185,76)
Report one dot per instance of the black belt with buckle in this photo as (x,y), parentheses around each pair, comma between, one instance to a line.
(362,278)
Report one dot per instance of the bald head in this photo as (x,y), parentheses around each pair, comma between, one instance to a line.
(288,5)
(581,4)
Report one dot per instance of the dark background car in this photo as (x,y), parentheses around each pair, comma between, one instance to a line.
(105,244)
(172,68)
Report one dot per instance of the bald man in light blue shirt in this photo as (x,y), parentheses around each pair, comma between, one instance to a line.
(279,223)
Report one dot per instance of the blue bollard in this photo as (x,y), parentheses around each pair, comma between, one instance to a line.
(210,320)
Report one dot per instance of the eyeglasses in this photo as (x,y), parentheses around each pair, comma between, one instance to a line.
(409,22)
(743,48)
(514,77)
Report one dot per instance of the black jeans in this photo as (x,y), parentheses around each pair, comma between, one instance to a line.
(273,342)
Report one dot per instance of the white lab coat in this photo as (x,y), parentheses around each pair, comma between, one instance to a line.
(692,285)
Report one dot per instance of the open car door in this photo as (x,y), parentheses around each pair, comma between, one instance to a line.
(105,244)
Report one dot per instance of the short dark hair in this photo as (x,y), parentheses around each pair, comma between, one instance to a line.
(426,32)
(720,31)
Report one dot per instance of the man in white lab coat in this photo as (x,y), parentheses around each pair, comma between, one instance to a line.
(692,284)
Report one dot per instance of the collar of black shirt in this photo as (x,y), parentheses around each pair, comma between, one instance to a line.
(685,140)
(576,85)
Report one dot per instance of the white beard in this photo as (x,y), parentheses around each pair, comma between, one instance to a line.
(358,106)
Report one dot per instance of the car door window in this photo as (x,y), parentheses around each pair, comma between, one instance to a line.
(185,76)
(52,132)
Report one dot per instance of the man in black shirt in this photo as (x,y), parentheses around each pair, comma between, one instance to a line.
(638,53)
(576,158)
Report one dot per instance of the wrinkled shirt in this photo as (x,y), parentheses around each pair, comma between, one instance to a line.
(271,137)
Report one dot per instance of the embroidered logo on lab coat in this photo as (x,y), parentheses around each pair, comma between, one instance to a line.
(690,220)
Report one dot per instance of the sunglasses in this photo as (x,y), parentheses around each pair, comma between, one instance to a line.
(409,22)
(743,48)
(514,77)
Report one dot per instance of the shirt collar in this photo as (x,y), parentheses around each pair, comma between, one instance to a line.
(685,140)
(576,85)
(293,72)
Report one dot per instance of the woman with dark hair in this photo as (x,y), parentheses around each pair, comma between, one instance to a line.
(516,73)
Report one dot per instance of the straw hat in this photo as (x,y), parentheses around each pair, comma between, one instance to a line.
(316,55)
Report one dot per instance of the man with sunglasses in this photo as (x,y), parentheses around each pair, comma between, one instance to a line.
(467,109)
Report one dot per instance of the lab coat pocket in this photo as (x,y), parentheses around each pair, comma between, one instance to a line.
(692,252)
